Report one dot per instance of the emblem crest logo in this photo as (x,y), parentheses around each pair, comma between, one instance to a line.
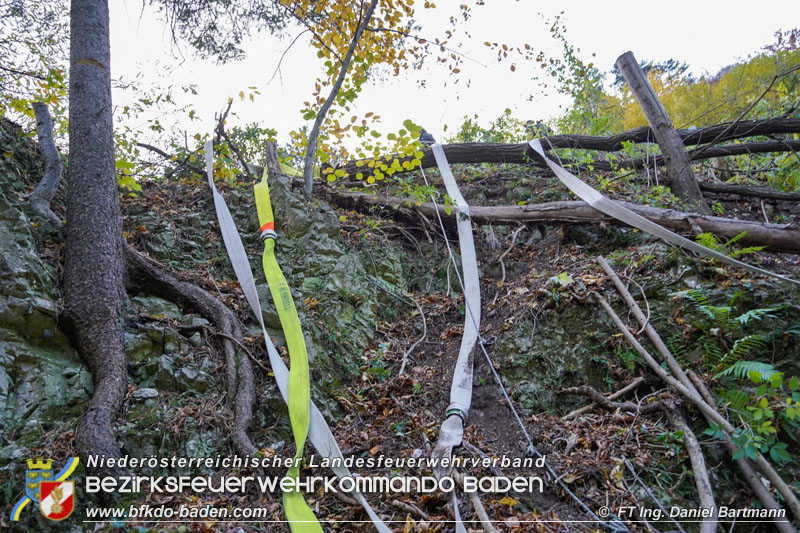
(37,472)
(54,494)
(57,499)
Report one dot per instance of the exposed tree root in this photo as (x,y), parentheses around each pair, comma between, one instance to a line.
(149,276)
(99,344)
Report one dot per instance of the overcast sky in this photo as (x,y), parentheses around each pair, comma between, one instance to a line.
(706,35)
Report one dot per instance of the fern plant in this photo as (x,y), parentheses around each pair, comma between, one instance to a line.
(709,240)
(731,347)
(723,339)
(755,371)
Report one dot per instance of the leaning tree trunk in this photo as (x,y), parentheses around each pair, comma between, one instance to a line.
(682,180)
(93,269)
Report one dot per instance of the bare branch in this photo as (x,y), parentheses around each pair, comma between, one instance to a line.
(721,135)
(594,395)
(701,477)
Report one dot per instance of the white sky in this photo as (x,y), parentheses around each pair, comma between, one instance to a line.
(706,35)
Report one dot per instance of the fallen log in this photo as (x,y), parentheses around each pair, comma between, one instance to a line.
(748,190)
(710,153)
(775,237)
(522,153)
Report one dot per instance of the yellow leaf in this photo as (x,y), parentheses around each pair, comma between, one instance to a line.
(508,500)
(342,219)
(241,95)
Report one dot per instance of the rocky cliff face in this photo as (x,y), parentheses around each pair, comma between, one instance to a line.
(42,380)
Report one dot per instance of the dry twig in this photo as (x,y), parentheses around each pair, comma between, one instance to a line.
(503,256)
(598,398)
(411,509)
(480,510)
(620,393)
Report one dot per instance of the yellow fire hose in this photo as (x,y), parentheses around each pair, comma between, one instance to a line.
(301,517)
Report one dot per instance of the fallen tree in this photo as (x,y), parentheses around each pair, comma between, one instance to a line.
(698,155)
(749,190)
(523,154)
(775,237)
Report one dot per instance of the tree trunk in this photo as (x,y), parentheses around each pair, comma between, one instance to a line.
(93,269)
(311,150)
(776,237)
(682,180)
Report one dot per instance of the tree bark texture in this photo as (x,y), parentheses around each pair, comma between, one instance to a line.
(776,237)
(43,194)
(93,269)
(681,178)
(701,478)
